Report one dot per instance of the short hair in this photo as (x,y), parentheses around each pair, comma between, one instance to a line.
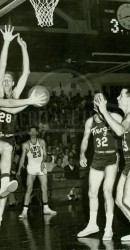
(128,89)
(11,74)
(33,127)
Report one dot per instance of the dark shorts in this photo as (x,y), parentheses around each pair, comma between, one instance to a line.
(101,161)
(10,140)
(127,165)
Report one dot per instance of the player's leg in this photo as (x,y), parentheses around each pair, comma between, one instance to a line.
(95,179)
(119,196)
(110,174)
(6,157)
(126,202)
(29,182)
(43,182)
(2,206)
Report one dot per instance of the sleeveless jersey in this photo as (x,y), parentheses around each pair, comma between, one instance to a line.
(104,139)
(7,123)
(35,157)
(126,143)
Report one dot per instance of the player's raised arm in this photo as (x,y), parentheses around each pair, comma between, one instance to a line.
(8,37)
(26,69)
(118,127)
(84,144)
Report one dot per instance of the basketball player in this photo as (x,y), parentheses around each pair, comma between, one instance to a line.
(7,120)
(123,188)
(103,166)
(35,150)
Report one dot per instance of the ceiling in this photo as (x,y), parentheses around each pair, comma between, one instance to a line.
(70,43)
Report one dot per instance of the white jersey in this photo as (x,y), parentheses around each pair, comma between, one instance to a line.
(35,157)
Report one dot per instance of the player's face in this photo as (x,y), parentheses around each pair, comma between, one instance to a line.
(8,82)
(123,99)
(33,133)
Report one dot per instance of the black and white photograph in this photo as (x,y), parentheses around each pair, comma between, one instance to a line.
(64,124)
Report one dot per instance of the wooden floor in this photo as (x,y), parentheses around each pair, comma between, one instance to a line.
(58,232)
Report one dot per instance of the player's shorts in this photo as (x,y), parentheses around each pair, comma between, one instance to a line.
(101,161)
(35,170)
(127,165)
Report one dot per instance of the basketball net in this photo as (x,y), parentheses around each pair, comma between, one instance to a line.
(44,10)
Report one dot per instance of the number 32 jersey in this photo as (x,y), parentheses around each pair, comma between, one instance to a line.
(104,139)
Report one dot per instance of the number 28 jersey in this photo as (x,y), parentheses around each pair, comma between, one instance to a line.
(104,139)
(7,123)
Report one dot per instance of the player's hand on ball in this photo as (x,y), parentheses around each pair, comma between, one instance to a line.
(42,93)
(38,100)
(83,162)
(7,34)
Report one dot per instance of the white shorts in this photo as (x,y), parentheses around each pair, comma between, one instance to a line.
(35,170)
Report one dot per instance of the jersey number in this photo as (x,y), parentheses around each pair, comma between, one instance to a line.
(36,154)
(102,142)
(5,117)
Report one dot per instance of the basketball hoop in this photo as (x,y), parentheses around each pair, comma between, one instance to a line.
(44,10)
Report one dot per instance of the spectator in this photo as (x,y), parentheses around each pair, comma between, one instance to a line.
(71,170)
(65,157)
(58,170)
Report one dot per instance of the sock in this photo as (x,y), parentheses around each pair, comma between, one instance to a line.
(45,206)
(109,219)
(93,217)
(4,181)
(25,209)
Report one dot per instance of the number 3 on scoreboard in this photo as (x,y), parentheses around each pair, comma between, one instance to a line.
(102,142)
(115,28)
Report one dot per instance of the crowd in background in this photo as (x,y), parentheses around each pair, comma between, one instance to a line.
(61,126)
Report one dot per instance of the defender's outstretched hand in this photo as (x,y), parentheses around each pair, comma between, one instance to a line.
(8,33)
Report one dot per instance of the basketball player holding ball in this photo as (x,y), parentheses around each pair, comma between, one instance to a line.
(7,119)
(104,166)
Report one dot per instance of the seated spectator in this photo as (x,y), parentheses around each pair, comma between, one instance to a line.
(48,139)
(58,170)
(49,149)
(65,157)
(49,164)
(54,153)
(71,170)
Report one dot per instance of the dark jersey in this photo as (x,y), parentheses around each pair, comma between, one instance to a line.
(104,138)
(7,123)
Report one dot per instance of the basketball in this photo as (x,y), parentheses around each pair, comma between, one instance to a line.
(39,90)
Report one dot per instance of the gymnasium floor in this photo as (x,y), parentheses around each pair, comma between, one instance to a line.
(59,232)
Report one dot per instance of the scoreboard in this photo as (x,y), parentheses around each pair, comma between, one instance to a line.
(114,17)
